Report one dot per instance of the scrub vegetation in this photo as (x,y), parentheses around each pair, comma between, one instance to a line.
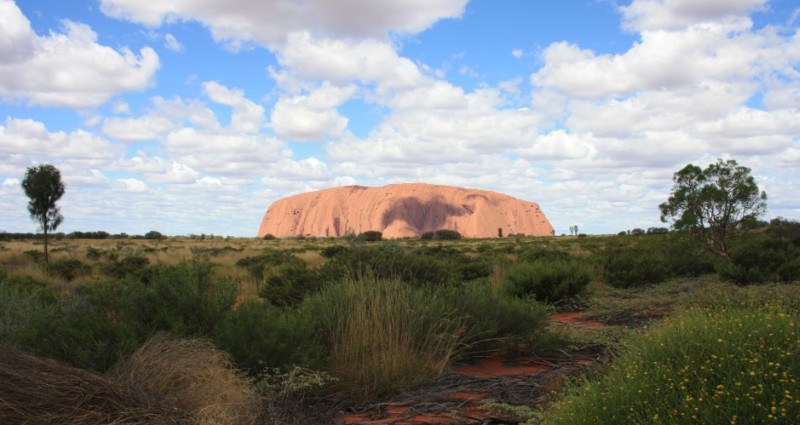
(281,324)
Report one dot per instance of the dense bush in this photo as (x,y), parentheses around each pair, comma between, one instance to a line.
(495,319)
(537,253)
(133,266)
(390,261)
(261,336)
(760,259)
(371,236)
(287,284)
(259,265)
(705,367)
(96,325)
(547,280)
(632,266)
(68,269)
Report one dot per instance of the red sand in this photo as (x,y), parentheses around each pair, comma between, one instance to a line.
(498,364)
(575,318)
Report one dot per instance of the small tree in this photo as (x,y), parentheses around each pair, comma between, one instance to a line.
(713,203)
(42,184)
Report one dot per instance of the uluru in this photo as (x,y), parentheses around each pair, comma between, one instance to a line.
(403,210)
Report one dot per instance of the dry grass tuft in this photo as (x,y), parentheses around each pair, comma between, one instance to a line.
(390,338)
(41,391)
(194,376)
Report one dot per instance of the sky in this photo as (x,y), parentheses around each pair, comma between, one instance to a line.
(193,116)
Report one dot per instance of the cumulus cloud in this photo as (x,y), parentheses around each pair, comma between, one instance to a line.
(643,15)
(268,22)
(66,69)
(311,116)
(28,139)
(247,117)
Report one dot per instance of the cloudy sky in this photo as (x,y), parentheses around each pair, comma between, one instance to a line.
(192,116)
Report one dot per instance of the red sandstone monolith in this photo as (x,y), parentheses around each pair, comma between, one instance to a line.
(403,210)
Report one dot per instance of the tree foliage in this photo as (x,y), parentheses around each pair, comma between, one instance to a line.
(43,185)
(713,203)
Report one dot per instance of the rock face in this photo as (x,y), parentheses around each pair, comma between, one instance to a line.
(403,210)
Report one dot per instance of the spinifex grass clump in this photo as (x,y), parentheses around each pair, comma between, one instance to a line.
(711,366)
(386,336)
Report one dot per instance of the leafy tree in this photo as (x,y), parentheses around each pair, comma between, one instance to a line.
(713,203)
(43,185)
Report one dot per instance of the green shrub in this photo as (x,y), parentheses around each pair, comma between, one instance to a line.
(633,266)
(371,236)
(288,284)
(260,336)
(390,261)
(183,299)
(446,235)
(533,254)
(260,264)
(547,280)
(494,319)
(333,250)
(707,367)
(758,260)
(133,266)
(68,269)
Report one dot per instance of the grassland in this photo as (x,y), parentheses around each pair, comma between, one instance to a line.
(343,322)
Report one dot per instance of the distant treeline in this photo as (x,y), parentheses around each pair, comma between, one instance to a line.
(6,236)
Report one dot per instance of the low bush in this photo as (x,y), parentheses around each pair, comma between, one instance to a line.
(289,283)
(547,280)
(261,336)
(708,366)
(494,319)
(390,261)
(758,260)
(370,236)
(259,265)
(632,266)
(68,269)
(135,266)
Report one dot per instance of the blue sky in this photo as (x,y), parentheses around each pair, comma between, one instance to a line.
(190,116)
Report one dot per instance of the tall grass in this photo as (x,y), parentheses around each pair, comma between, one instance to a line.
(387,336)
(709,366)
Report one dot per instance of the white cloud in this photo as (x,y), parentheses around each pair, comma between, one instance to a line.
(132,185)
(121,107)
(9,182)
(267,22)
(342,62)
(68,69)
(724,51)
(298,118)
(669,14)
(30,140)
(149,127)
(172,43)
(517,53)
(247,117)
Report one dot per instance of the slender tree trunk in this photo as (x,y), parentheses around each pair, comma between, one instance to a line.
(46,260)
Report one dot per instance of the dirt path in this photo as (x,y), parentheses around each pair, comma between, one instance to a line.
(464,394)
